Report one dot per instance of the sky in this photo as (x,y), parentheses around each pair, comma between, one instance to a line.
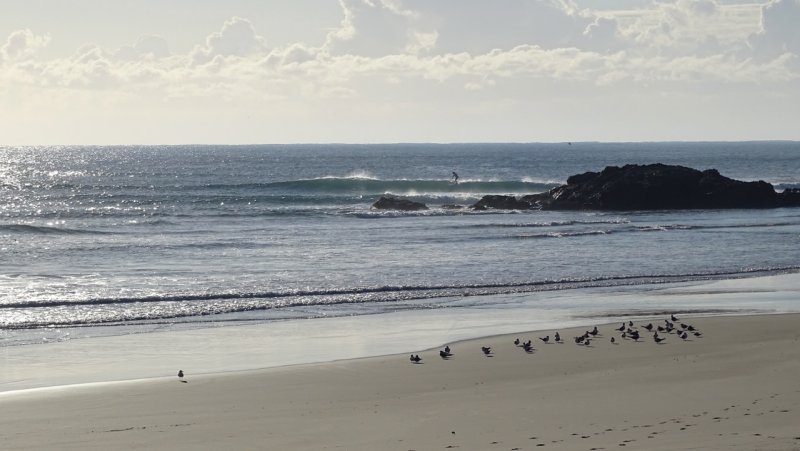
(384,71)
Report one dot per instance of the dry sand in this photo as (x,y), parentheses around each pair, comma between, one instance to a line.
(737,387)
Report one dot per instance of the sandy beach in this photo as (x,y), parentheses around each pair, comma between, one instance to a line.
(736,387)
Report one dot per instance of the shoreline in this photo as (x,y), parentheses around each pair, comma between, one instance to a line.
(707,393)
(250,347)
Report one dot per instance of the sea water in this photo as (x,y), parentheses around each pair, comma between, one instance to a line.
(100,241)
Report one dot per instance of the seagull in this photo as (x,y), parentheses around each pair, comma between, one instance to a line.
(516,342)
(527,347)
(545,339)
(658,339)
(634,335)
(486,350)
(621,328)
(649,327)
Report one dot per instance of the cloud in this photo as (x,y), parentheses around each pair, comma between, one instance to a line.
(145,47)
(374,28)
(780,29)
(237,37)
(21,44)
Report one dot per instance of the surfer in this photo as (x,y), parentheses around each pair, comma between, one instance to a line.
(455,177)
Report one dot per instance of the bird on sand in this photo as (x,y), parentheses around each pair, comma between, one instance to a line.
(558,338)
(447,349)
(445,355)
(649,327)
(613,340)
(486,350)
(415,358)
(545,339)
(673,318)
(621,328)
(516,342)
(658,339)
(180,374)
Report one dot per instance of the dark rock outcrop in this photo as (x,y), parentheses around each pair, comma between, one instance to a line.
(500,202)
(398,203)
(659,187)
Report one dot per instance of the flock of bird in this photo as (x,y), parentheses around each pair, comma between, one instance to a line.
(628,331)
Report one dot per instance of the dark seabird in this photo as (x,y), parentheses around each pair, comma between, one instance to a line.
(587,342)
(527,347)
(649,327)
(516,342)
(684,336)
(684,326)
(545,339)
(558,338)
(658,339)
(691,328)
(673,318)
(447,349)
(444,355)
(594,331)
(621,328)
(486,350)
(612,340)
(661,329)
(180,374)
(415,358)
(698,334)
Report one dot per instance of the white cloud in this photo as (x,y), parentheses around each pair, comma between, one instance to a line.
(145,47)
(22,44)
(780,29)
(238,37)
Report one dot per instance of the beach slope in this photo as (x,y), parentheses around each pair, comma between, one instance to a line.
(734,387)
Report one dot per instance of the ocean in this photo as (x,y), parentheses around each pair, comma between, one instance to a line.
(98,241)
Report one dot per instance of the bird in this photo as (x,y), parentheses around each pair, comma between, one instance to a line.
(658,339)
(545,339)
(587,342)
(698,334)
(486,350)
(579,339)
(684,336)
(180,375)
(661,329)
(612,340)
(621,328)
(634,335)
(527,347)
(528,344)
(445,355)
(684,326)
(447,349)
(691,328)
(558,338)
(649,327)
(630,323)
(415,358)
(516,342)
(673,318)
(594,331)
